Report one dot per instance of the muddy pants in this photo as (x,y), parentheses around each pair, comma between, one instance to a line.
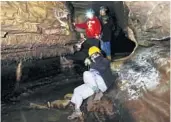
(92,83)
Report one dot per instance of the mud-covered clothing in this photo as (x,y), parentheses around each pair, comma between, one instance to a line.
(107,28)
(102,65)
(92,27)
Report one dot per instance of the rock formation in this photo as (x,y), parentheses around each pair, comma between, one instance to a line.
(33,29)
(148,20)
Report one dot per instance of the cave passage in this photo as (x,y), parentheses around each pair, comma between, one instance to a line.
(42,79)
(121,45)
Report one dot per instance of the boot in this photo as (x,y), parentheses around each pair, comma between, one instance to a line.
(109,58)
(98,96)
(75,114)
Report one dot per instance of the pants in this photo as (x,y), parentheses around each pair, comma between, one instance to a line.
(106,47)
(92,80)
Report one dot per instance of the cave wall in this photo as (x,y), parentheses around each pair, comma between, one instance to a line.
(149,20)
(33,29)
(33,35)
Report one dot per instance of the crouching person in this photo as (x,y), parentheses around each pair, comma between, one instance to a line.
(96,81)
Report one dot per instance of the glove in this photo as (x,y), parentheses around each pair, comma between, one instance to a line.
(87,62)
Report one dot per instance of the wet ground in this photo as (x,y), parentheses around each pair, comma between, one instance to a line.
(19,111)
(52,88)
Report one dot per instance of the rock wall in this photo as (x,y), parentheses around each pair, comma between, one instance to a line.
(34,28)
(148,20)
(33,34)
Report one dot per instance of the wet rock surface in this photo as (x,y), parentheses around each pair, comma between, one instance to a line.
(141,72)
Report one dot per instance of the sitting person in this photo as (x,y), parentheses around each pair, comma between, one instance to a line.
(96,81)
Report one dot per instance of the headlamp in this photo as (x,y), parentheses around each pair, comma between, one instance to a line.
(89,14)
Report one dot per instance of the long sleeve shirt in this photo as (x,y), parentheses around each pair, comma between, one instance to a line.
(92,27)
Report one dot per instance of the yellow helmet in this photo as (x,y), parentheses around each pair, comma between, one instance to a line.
(93,50)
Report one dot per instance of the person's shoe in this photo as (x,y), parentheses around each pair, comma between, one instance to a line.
(109,58)
(98,96)
(75,114)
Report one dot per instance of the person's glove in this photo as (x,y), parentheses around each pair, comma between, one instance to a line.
(87,62)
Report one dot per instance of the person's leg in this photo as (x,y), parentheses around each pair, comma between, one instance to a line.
(89,78)
(80,93)
(107,48)
(101,85)
(102,46)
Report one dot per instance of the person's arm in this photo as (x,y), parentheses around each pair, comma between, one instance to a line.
(81,25)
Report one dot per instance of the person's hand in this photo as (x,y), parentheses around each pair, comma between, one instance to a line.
(97,37)
(73,23)
(87,62)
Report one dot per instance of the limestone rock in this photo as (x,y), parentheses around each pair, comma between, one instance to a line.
(150,19)
(31,29)
(25,16)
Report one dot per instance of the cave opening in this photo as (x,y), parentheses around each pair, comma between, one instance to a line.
(121,45)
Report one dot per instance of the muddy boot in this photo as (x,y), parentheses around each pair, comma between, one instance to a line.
(98,96)
(75,114)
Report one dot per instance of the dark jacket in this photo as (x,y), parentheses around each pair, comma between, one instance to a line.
(107,28)
(102,65)
(83,53)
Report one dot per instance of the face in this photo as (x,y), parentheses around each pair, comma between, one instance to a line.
(95,55)
(102,12)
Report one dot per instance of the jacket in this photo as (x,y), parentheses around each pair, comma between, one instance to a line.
(107,28)
(102,65)
(83,53)
(92,27)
